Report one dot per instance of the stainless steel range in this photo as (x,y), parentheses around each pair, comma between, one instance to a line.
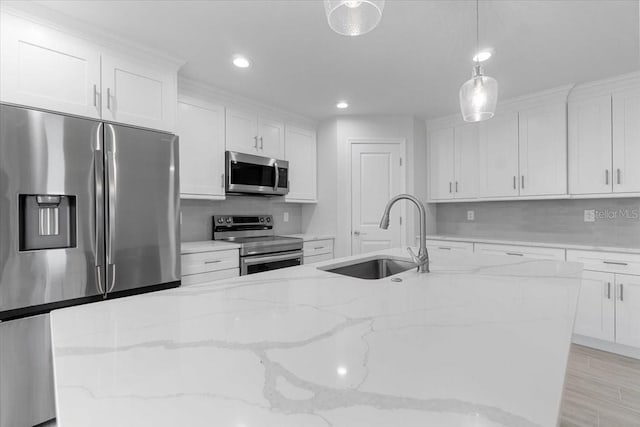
(260,249)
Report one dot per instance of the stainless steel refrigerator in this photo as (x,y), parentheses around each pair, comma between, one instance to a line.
(88,210)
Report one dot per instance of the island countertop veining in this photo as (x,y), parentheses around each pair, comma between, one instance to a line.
(480,341)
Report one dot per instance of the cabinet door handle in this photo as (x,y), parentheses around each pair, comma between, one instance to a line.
(450,187)
(261,143)
(255,145)
(615,263)
(95,96)
(456,186)
(522,179)
(618,173)
(108,98)
(514,182)
(606,176)
(222,180)
(621,292)
(608,290)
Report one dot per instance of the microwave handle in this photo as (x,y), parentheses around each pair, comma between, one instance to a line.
(275,165)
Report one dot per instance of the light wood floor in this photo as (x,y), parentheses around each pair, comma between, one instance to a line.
(601,389)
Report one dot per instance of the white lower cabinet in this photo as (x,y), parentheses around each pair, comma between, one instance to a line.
(609,303)
(596,306)
(521,251)
(201,267)
(317,250)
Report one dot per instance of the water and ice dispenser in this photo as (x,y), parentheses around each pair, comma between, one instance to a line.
(47,221)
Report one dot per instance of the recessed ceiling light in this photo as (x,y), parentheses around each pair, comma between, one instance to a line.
(481,56)
(241,61)
(342,105)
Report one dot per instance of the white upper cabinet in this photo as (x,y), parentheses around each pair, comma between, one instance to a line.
(543,150)
(200,127)
(626,141)
(441,164)
(590,146)
(271,138)
(466,139)
(300,152)
(138,94)
(242,131)
(44,68)
(498,156)
(248,132)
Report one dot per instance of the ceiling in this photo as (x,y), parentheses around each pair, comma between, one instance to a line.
(413,63)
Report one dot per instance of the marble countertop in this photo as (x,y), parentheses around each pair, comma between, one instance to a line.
(536,244)
(206,246)
(480,341)
(311,237)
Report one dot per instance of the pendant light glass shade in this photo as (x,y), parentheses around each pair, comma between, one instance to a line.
(353,17)
(478,97)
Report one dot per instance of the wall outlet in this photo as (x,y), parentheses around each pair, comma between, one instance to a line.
(286,217)
(589,215)
(471,215)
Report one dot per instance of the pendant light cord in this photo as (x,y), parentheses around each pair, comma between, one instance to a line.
(477,30)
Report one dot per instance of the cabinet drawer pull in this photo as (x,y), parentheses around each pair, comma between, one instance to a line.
(621,292)
(615,263)
(444,248)
(318,247)
(514,254)
(608,290)
(215,261)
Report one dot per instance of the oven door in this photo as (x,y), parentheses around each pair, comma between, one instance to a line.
(261,263)
(247,173)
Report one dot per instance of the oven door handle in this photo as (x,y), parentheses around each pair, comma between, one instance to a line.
(272,258)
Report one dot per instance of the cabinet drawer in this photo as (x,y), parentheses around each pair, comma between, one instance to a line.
(448,246)
(606,261)
(211,276)
(521,251)
(318,247)
(203,262)
(317,258)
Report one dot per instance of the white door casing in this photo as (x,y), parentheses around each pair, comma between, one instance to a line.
(376,177)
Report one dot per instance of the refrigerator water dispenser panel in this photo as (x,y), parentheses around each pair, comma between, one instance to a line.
(47,221)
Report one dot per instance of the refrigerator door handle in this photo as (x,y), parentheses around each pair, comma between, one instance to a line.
(111,209)
(98,172)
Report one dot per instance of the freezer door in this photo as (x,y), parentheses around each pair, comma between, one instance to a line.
(143,203)
(50,218)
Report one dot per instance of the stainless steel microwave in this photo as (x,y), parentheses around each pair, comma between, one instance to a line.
(249,174)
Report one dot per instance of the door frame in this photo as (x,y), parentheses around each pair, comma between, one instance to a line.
(402,142)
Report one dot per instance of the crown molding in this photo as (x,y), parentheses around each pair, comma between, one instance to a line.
(45,16)
(195,89)
(605,86)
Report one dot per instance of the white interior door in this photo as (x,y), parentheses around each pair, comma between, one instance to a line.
(376,176)
(596,306)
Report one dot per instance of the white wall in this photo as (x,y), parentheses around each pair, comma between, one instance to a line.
(332,213)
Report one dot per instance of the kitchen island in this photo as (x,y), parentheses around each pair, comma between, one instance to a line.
(479,341)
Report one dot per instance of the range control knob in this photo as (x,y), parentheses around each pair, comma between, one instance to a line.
(268,219)
(229,220)
(261,219)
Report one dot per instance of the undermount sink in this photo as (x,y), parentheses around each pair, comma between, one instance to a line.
(371,268)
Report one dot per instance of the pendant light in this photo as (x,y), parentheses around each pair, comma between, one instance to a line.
(479,95)
(353,17)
